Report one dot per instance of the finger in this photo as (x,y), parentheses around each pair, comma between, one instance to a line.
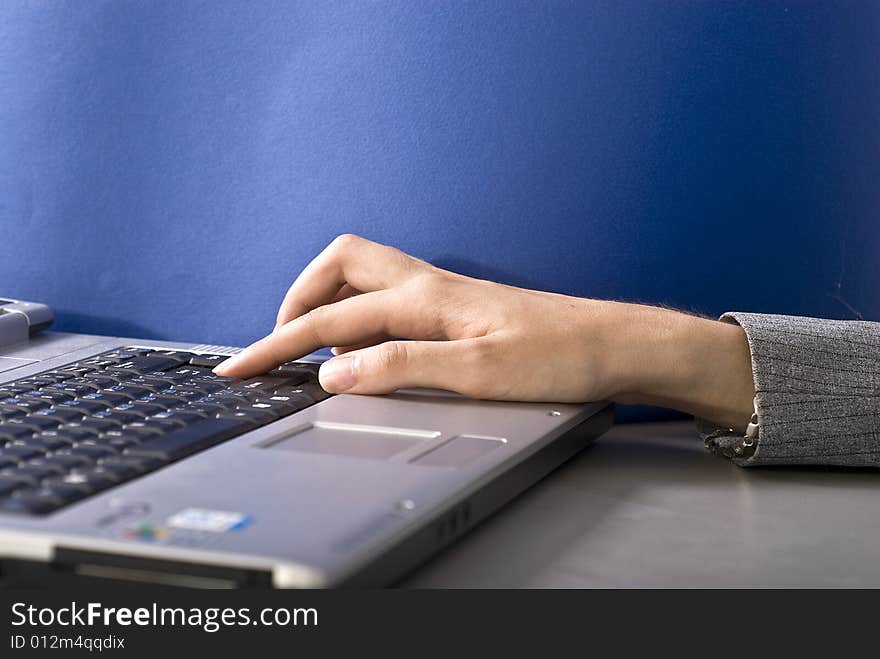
(452,365)
(345,292)
(379,338)
(348,322)
(361,263)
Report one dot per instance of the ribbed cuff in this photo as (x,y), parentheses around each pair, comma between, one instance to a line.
(816,387)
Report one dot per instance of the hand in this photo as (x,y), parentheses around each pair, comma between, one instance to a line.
(489,340)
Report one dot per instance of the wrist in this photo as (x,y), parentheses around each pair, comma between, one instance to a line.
(688,363)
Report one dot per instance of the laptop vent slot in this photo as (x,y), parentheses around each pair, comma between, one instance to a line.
(453,524)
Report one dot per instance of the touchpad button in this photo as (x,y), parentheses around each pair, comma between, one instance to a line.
(352,440)
(460,450)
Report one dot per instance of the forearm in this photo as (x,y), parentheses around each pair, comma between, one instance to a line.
(684,362)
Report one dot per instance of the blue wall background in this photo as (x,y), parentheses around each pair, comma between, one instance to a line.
(167,167)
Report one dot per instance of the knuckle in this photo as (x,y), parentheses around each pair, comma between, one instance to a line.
(312,322)
(391,355)
(429,285)
(480,365)
(345,241)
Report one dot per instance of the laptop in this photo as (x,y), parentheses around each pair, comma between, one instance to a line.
(129,461)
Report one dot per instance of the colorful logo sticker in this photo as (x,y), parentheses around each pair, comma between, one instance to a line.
(147,532)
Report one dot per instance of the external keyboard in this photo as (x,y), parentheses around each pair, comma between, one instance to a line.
(74,431)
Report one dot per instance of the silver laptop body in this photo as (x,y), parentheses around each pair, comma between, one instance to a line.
(355,490)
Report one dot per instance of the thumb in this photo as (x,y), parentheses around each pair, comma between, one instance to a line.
(393,365)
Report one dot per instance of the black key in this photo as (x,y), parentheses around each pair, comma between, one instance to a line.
(139,433)
(293,403)
(57,376)
(141,409)
(12,390)
(111,399)
(202,409)
(7,462)
(96,425)
(100,477)
(118,376)
(82,407)
(28,505)
(300,367)
(221,403)
(53,396)
(294,375)
(141,463)
(117,443)
(150,363)
(117,356)
(7,412)
(220,379)
(101,380)
(41,442)
(80,389)
(65,462)
(165,402)
(63,491)
(70,434)
(77,482)
(180,355)
(122,418)
(44,464)
(59,414)
(138,351)
(245,396)
(36,382)
(277,410)
(159,425)
(37,493)
(202,384)
(97,362)
(119,473)
(133,393)
(75,371)
(183,418)
(258,417)
(152,385)
(26,404)
(192,372)
(183,394)
(10,479)
(20,453)
(263,383)
(31,473)
(10,432)
(8,486)
(208,360)
(203,388)
(92,451)
(168,377)
(36,423)
(196,437)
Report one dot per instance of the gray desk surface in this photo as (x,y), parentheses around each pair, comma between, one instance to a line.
(647,506)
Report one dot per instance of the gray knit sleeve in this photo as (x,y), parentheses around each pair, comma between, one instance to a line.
(817,385)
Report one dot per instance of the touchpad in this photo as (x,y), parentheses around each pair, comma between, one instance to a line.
(351,439)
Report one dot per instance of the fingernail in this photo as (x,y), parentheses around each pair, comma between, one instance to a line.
(223,366)
(337,374)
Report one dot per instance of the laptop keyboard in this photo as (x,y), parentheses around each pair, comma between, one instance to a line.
(74,431)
